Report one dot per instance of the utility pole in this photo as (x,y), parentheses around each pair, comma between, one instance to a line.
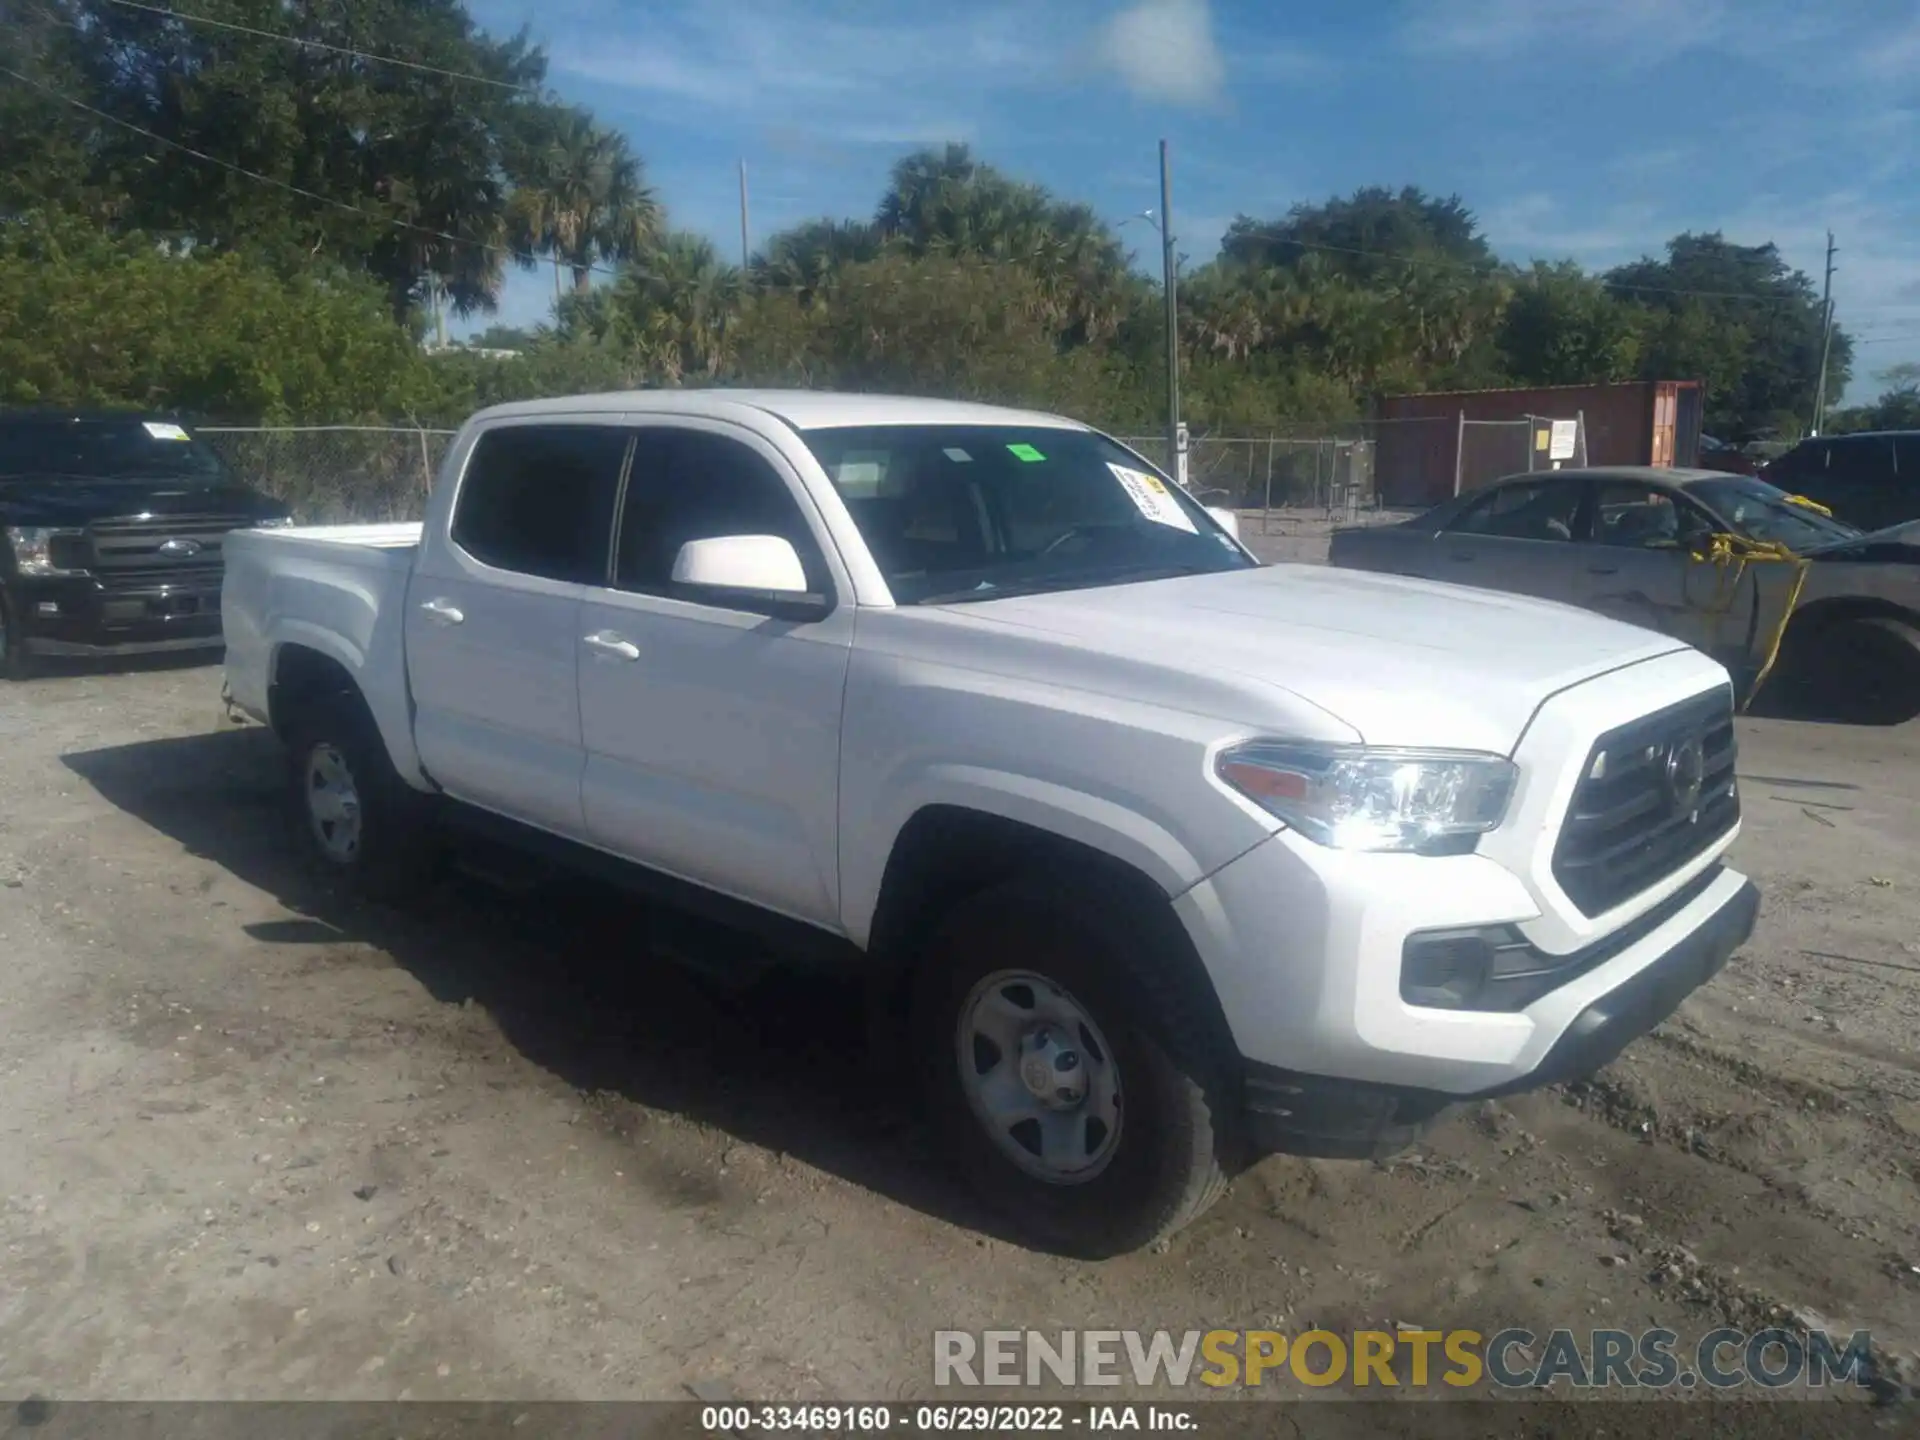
(1826,340)
(1173,316)
(743,215)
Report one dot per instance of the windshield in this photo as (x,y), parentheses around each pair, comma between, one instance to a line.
(113,448)
(1763,512)
(975,512)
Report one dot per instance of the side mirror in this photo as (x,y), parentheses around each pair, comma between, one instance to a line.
(1226,519)
(764,568)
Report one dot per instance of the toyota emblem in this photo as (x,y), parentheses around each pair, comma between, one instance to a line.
(1686,772)
(178,549)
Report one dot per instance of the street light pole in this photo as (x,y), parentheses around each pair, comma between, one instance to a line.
(1173,316)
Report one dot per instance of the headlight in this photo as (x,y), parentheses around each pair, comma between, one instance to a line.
(33,549)
(1351,797)
(279,522)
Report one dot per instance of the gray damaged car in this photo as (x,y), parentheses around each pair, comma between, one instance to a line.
(1824,616)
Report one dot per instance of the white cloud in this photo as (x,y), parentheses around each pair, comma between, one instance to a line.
(1165,50)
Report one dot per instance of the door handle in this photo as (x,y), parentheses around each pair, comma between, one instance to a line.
(1603,569)
(612,645)
(1463,556)
(442,612)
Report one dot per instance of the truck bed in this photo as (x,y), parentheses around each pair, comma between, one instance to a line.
(338,589)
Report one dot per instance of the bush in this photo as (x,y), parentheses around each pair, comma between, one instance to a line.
(92,319)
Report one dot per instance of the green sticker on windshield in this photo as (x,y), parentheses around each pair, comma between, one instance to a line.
(1025,452)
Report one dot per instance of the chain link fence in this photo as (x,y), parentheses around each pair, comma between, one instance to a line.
(1324,469)
(334,474)
(1491,450)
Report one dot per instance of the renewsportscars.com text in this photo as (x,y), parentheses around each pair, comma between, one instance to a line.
(1413,1359)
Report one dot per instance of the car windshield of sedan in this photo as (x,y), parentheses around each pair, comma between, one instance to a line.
(114,448)
(1764,512)
(979,512)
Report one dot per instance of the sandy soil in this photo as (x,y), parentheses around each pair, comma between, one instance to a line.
(257,1142)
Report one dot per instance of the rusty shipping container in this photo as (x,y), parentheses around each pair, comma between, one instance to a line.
(1430,445)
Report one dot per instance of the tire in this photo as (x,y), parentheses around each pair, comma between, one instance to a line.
(1153,1136)
(15,661)
(1864,672)
(363,824)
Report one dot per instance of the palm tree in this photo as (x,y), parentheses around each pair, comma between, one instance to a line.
(806,259)
(581,199)
(678,309)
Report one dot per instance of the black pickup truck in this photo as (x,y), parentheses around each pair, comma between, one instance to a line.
(110,535)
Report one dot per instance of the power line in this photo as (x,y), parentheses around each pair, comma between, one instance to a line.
(307,44)
(525,257)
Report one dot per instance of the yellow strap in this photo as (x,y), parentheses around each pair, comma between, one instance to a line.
(1731,554)
(1814,505)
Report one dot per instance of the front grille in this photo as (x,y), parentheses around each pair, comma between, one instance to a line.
(160,577)
(148,552)
(1633,820)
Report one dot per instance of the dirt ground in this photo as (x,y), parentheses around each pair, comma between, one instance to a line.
(257,1142)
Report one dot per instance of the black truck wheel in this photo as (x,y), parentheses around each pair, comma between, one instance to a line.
(363,823)
(1076,1082)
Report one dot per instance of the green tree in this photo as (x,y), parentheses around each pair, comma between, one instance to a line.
(87,319)
(1739,318)
(1564,327)
(580,197)
(805,259)
(1368,236)
(316,154)
(945,202)
(1898,407)
(928,325)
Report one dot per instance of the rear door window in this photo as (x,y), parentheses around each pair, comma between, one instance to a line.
(1537,510)
(538,500)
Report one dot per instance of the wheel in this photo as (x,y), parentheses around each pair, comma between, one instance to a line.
(15,661)
(1073,1073)
(1863,671)
(362,822)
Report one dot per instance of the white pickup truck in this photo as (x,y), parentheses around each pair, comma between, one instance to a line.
(1153,858)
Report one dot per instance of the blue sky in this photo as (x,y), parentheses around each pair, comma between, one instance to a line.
(1590,129)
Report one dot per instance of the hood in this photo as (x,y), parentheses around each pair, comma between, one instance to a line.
(1907,532)
(1404,662)
(51,500)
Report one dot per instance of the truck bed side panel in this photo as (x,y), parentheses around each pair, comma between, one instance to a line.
(338,590)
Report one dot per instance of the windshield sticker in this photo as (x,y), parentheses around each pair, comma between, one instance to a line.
(1151,497)
(959,456)
(1025,452)
(163,430)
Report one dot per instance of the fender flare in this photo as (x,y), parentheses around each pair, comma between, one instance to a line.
(388,704)
(1121,835)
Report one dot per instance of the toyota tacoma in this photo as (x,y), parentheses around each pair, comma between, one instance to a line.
(1151,858)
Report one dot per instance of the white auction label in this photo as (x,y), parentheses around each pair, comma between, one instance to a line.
(1151,497)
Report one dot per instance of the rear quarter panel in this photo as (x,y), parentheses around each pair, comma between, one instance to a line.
(336,590)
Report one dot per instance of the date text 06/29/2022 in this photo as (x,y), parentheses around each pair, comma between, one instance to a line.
(1656,1359)
(942,1419)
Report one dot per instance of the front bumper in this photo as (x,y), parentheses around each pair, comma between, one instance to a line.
(77,615)
(1322,1115)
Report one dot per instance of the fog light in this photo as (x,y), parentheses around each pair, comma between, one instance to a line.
(47,607)
(1444,972)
